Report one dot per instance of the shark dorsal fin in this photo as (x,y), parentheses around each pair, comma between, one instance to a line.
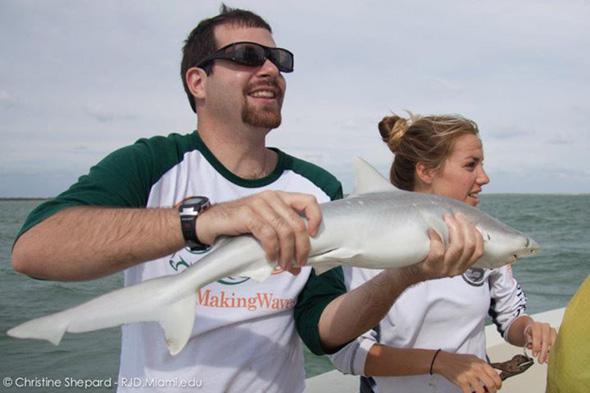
(368,179)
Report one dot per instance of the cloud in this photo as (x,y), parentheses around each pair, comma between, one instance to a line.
(7,100)
(104,74)
(539,180)
(507,132)
(443,85)
(103,115)
(560,140)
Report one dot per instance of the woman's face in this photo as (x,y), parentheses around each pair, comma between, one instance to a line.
(461,175)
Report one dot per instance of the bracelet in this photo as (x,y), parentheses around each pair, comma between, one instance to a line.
(433,358)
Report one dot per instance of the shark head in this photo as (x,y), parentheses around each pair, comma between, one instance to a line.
(504,245)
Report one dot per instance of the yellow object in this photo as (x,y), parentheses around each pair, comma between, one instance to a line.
(569,362)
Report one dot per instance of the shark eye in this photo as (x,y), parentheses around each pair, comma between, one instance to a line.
(489,237)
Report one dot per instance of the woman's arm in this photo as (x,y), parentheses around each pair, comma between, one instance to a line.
(468,372)
(507,310)
(537,336)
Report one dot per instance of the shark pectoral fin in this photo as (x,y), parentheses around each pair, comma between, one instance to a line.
(177,321)
(260,272)
(336,257)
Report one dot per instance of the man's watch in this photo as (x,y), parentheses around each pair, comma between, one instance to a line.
(189,210)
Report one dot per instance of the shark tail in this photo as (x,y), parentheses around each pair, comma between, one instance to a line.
(50,328)
(126,305)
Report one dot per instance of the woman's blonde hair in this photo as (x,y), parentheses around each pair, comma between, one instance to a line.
(425,139)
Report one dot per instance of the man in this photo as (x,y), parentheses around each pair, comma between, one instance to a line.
(245,333)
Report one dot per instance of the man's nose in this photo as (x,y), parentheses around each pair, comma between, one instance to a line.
(269,68)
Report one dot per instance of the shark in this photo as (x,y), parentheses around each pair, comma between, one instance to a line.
(377,226)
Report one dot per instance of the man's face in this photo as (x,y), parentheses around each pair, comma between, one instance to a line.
(257,92)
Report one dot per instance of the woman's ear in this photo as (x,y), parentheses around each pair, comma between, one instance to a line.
(196,79)
(424,173)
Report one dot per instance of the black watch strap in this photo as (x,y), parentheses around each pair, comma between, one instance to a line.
(189,211)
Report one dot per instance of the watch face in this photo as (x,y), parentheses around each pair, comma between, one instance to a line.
(196,200)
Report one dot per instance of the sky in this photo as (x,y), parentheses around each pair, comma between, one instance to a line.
(79,79)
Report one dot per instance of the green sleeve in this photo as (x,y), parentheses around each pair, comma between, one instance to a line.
(318,292)
(122,179)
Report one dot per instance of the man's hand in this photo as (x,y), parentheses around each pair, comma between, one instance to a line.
(273,218)
(464,249)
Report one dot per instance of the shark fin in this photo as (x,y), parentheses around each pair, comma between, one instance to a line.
(177,321)
(368,179)
(50,328)
(332,258)
(124,305)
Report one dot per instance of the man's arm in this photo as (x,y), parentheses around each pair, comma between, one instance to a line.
(357,311)
(81,243)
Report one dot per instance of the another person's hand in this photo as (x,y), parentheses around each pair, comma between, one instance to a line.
(464,249)
(468,372)
(272,217)
(540,337)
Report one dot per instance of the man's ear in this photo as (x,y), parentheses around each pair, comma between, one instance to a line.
(196,79)
(424,173)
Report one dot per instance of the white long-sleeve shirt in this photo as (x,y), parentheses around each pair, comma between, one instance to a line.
(447,313)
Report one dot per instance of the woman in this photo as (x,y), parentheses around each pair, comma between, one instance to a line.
(432,339)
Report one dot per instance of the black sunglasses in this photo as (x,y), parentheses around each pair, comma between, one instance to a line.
(252,54)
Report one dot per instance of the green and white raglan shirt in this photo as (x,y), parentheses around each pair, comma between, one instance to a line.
(245,333)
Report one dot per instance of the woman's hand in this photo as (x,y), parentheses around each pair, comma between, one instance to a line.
(536,336)
(539,337)
(464,248)
(468,372)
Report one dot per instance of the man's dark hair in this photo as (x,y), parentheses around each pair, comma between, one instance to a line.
(200,43)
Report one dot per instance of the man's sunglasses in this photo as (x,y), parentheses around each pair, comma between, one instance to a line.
(251,54)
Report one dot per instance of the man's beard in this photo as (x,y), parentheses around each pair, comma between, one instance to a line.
(268,116)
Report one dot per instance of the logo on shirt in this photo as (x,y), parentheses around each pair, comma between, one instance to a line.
(475,276)
(254,302)
(233,280)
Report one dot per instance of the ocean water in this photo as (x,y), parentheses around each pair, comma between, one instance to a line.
(560,223)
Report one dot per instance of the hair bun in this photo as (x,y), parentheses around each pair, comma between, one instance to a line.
(392,130)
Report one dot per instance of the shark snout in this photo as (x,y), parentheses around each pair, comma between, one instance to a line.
(531,247)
